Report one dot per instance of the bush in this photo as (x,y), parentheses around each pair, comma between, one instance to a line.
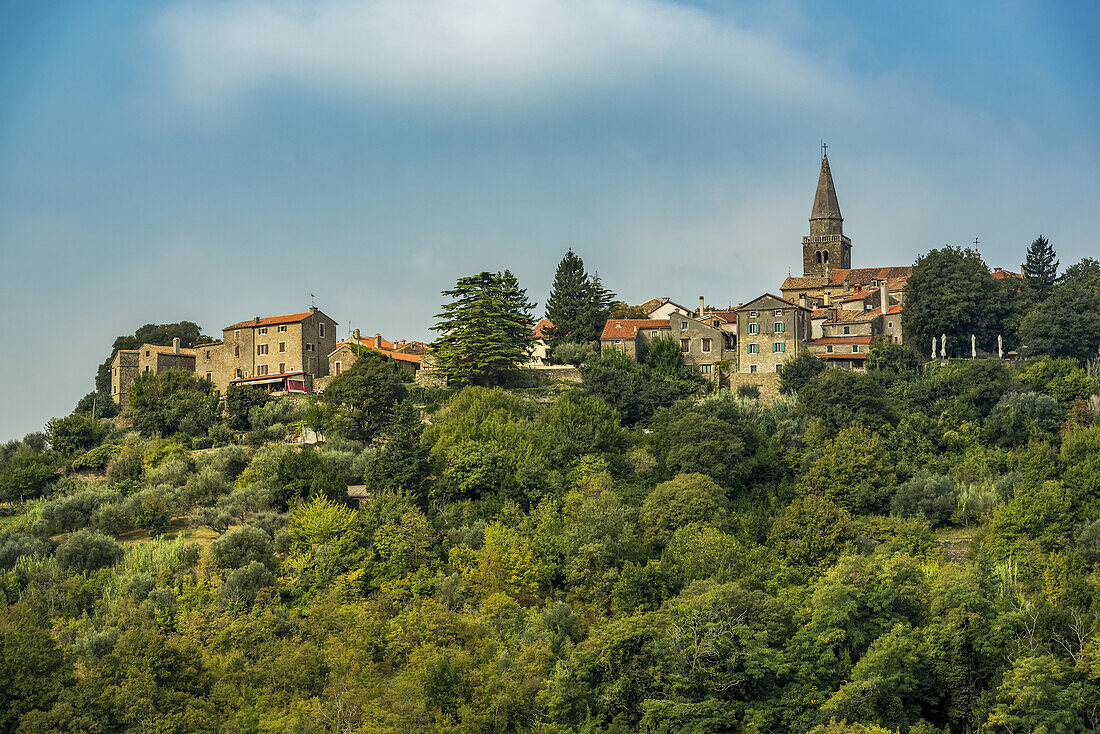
(752,392)
(113,518)
(1088,541)
(88,551)
(15,545)
(1020,417)
(932,498)
(242,546)
(98,458)
(574,353)
(242,585)
(73,512)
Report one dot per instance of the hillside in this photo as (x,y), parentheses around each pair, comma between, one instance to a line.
(900,550)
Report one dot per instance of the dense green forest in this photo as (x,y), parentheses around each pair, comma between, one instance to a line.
(911,550)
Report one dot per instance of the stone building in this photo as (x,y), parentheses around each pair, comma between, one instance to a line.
(279,353)
(127,364)
(769,330)
(631,336)
(347,351)
(826,246)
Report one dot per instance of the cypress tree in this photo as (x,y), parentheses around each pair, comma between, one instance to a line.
(485,332)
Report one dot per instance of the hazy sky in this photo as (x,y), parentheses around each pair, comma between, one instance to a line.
(213,161)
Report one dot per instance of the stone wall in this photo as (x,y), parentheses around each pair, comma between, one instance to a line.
(768,382)
(562,372)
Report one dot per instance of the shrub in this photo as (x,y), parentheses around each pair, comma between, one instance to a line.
(1088,541)
(242,585)
(73,512)
(1019,417)
(88,551)
(751,392)
(689,498)
(15,545)
(933,498)
(242,546)
(98,458)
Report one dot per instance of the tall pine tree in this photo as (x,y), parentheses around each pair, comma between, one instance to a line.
(485,332)
(578,305)
(1041,268)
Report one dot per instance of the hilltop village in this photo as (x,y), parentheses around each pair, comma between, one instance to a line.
(833,310)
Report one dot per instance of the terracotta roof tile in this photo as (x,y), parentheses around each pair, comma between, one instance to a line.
(628,328)
(539,331)
(290,318)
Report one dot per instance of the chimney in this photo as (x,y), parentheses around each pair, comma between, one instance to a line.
(312,308)
(255,319)
(884,295)
(802,300)
(356,333)
(700,307)
(175,345)
(377,341)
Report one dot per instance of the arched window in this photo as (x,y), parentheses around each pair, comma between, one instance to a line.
(825,255)
(819,256)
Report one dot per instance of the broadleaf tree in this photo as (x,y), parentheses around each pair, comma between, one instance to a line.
(485,331)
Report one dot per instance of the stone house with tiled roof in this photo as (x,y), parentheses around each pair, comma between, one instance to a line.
(631,336)
(347,352)
(769,330)
(279,353)
(127,364)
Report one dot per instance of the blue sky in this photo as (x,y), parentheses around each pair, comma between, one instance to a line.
(213,161)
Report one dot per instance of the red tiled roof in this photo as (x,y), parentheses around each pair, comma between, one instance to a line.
(1001,274)
(270,376)
(847,339)
(628,328)
(896,308)
(369,344)
(290,318)
(841,355)
(726,314)
(852,276)
(821,313)
(539,331)
(369,341)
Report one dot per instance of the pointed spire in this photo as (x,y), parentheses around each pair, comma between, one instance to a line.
(825,203)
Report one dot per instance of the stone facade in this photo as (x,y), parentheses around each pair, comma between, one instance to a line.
(770,329)
(704,343)
(262,349)
(826,247)
(127,364)
(347,352)
(631,336)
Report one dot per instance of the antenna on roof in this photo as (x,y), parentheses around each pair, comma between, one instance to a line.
(311,300)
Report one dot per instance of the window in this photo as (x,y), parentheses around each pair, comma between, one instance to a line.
(309,346)
(282,329)
(779,347)
(321,330)
(208,354)
(339,367)
(890,324)
(753,314)
(777,367)
(210,376)
(683,324)
(237,351)
(778,313)
(855,347)
(847,329)
(282,346)
(263,330)
(653,334)
(261,369)
(146,368)
(706,345)
(261,349)
(705,369)
(752,368)
(684,344)
(146,354)
(618,341)
(829,349)
(754,328)
(777,327)
(754,349)
(237,334)
(116,370)
(282,367)
(238,373)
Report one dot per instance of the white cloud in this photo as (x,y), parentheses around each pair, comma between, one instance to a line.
(472,53)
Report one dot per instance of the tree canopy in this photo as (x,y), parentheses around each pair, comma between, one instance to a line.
(485,331)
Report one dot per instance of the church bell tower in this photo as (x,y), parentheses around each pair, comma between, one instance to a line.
(826,248)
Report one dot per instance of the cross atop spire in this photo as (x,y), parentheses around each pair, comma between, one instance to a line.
(824,150)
